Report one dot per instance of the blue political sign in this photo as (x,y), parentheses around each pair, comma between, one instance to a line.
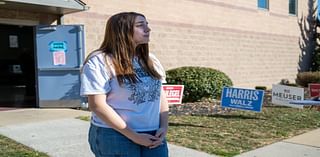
(244,99)
(58,46)
(318,11)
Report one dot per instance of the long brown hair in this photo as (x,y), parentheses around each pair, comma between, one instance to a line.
(119,45)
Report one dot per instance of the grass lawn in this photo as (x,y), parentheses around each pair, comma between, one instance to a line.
(10,148)
(235,132)
(226,134)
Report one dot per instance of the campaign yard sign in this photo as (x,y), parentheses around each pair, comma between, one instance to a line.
(244,99)
(173,93)
(283,95)
(318,9)
(314,89)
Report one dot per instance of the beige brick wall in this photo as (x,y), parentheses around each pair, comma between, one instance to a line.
(249,58)
(253,46)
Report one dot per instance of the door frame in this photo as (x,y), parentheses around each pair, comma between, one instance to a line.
(19,22)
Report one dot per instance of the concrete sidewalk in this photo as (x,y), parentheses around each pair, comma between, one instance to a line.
(305,145)
(57,133)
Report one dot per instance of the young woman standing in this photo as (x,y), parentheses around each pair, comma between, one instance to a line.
(122,82)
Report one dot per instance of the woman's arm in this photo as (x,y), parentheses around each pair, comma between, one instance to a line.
(164,111)
(164,114)
(97,104)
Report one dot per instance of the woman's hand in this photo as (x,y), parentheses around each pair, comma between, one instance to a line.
(145,139)
(161,134)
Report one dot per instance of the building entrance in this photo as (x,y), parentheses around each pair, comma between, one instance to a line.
(17,66)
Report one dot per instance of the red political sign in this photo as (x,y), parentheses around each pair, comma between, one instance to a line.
(314,89)
(173,93)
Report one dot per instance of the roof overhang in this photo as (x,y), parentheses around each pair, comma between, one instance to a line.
(59,7)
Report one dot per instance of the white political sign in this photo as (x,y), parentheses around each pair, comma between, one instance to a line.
(282,95)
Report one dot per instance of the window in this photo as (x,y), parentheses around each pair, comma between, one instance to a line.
(293,7)
(264,4)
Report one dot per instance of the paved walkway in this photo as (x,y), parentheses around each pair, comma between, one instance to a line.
(57,133)
(305,145)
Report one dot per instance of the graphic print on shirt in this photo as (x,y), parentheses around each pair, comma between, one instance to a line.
(146,89)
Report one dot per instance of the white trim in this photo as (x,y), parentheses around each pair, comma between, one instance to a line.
(71,5)
(18,22)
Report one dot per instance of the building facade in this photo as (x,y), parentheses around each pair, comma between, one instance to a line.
(254,46)
(255,42)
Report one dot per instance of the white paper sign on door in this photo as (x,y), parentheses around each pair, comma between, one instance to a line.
(59,58)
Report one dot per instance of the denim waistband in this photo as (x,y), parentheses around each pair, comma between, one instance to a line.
(151,132)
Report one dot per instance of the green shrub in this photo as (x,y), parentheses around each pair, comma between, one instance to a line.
(292,84)
(304,78)
(199,82)
(287,83)
(261,87)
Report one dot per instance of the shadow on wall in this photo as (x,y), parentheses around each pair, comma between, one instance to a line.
(307,40)
(73,93)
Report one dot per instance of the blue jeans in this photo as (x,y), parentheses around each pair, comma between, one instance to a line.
(106,142)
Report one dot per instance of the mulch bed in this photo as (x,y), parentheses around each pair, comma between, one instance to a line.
(197,108)
(213,106)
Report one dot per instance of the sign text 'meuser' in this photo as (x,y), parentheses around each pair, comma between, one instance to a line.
(287,96)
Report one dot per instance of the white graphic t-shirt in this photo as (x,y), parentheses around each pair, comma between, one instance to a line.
(137,104)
